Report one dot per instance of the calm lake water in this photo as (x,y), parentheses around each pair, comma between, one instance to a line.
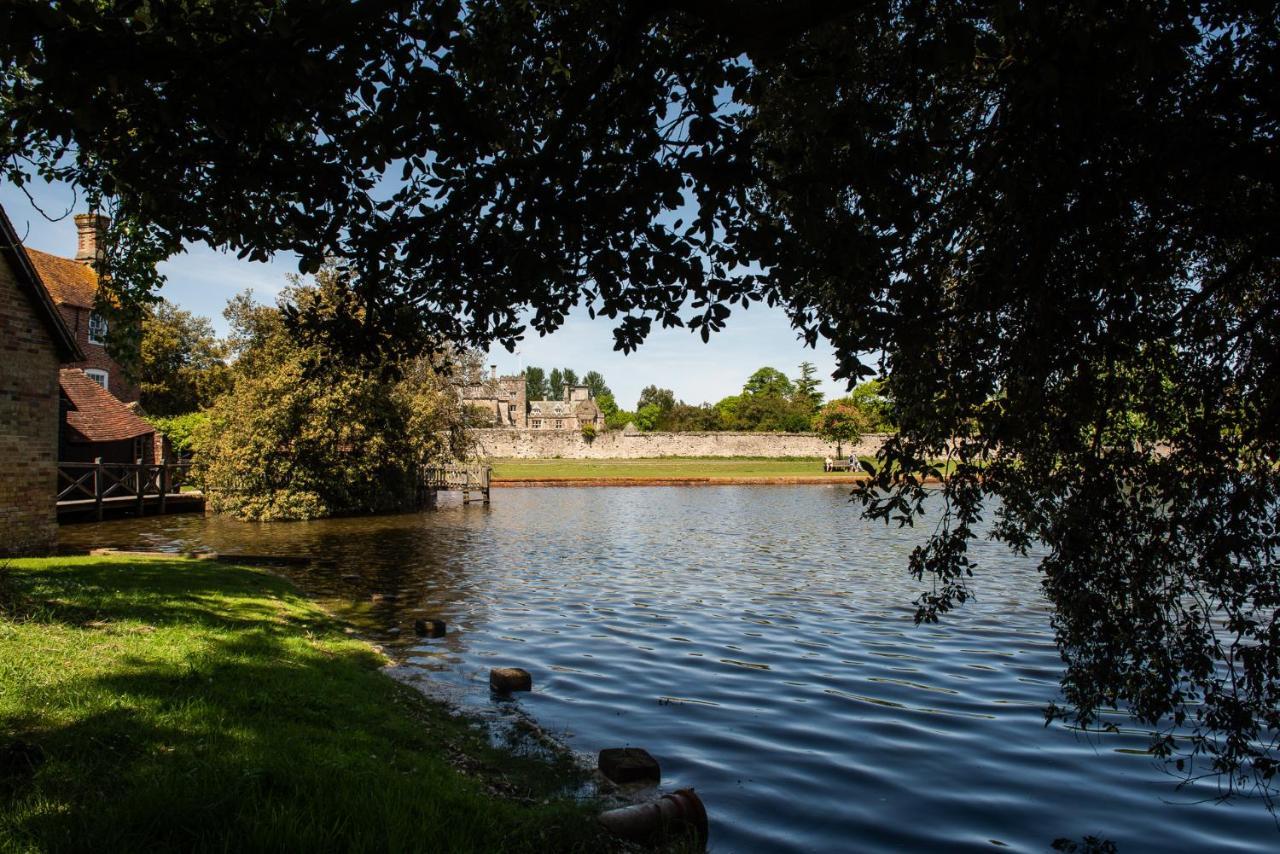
(759,642)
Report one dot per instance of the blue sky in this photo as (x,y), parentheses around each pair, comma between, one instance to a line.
(202,280)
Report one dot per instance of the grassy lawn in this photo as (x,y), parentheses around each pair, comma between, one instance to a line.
(152,704)
(658,468)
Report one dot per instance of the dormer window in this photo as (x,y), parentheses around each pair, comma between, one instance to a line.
(97,328)
(99,377)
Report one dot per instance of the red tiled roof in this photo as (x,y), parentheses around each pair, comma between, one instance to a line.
(94,414)
(68,282)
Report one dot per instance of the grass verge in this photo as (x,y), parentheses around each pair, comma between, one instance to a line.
(664,468)
(153,704)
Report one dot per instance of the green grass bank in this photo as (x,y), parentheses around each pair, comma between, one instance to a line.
(153,704)
(665,468)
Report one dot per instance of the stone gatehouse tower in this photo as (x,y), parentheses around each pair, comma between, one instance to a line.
(500,400)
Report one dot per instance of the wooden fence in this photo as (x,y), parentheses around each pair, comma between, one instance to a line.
(97,485)
(464,479)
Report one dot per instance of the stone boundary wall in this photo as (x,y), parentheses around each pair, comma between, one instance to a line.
(619,444)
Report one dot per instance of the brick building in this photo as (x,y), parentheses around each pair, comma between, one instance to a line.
(73,284)
(95,425)
(34,340)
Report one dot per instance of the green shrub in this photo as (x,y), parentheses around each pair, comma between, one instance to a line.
(180,430)
(305,433)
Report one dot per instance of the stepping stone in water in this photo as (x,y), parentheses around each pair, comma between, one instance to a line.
(629,765)
(504,680)
(429,628)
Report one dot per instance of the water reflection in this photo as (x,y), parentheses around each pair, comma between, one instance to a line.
(759,642)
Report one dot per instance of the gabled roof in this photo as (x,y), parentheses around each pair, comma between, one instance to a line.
(29,279)
(95,414)
(553,408)
(68,282)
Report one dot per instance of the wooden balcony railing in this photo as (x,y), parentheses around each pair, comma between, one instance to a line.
(101,484)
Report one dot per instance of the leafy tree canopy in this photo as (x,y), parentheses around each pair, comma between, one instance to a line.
(535,384)
(181,430)
(1036,213)
(840,421)
(769,381)
(662,398)
(594,381)
(552,386)
(180,367)
(870,399)
(304,433)
(647,417)
(807,385)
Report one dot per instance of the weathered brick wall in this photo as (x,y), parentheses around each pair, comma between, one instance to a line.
(77,320)
(28,422)
(615,444)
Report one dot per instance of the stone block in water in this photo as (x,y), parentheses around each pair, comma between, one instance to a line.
(430,628)
(629,765)
(504,680)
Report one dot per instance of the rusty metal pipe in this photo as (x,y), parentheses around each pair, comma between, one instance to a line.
(679,813)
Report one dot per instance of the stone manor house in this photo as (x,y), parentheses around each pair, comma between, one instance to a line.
(502,402)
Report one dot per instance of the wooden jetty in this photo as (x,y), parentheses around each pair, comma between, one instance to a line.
(94,489)
(469,480)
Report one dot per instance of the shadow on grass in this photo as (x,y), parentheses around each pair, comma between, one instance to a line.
(250,723)
(85,591)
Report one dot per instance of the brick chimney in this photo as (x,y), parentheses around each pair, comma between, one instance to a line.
(91,231)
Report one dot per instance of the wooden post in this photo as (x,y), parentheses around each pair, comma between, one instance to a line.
(97,487)
(164,483)
(486,473)
(140,487)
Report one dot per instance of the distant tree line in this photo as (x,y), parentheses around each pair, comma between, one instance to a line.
(541,385)
(770,401)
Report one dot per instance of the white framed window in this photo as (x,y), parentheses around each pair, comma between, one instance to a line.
(559,424)
(536,423)
(99,377)
(97,328)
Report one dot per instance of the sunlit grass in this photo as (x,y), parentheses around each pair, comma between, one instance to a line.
(659,468)
(188,705)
